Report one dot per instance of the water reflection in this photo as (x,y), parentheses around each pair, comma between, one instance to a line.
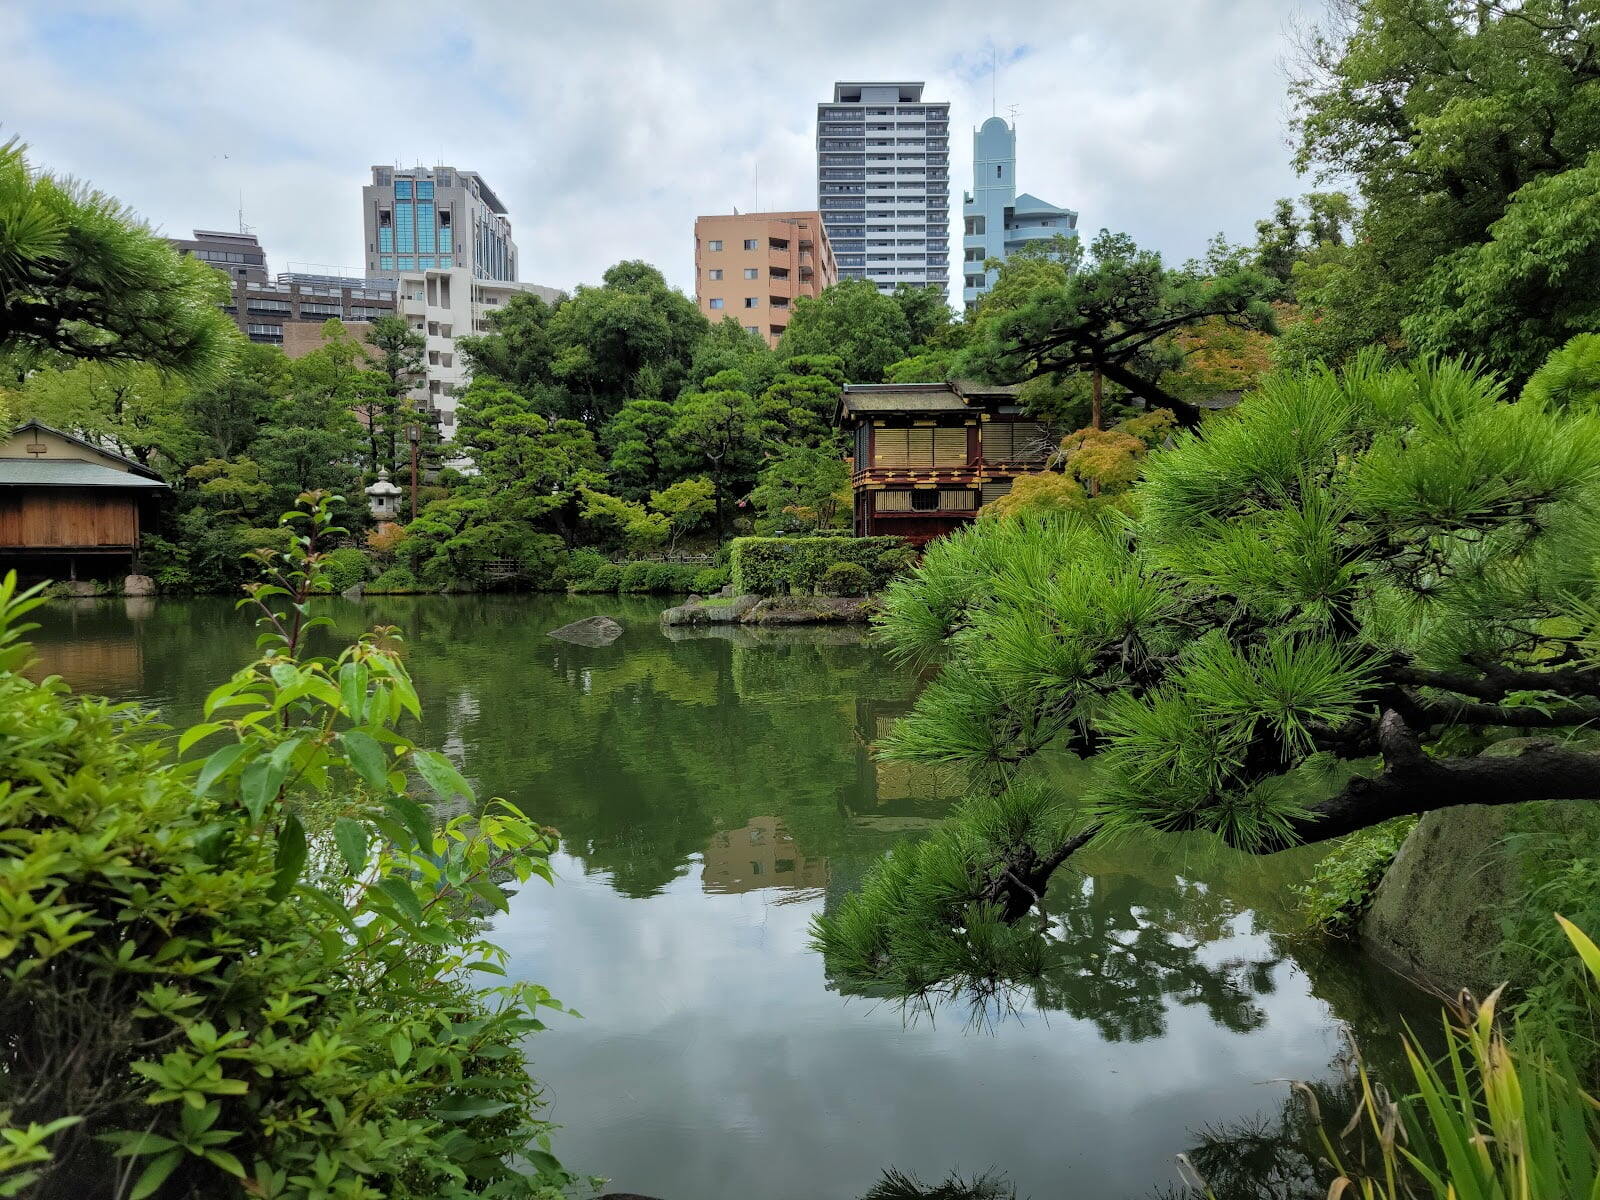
(714,789)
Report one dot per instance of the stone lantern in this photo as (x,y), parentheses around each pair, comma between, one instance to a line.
(383,498)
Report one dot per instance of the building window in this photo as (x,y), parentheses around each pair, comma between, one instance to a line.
(920,446)
(751,243)
(407,264)
(386,239)
(715,273)
(319,310)
(752,301)
(713,245)
(425,264)
(715,302)
(260,333)
(402,187)
(407,230)
(268,306)
(386,263)
(444,234)
(424,189)
(752,272)
(777,244)
(924,500)
(425,240)
(752,329)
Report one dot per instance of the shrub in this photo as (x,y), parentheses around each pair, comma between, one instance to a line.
(1339,891)
(395,579)
(252,972)
(779,566)
(846,579)
(583,563)
(712,579)
(640,578)
(344,568)
(607,577)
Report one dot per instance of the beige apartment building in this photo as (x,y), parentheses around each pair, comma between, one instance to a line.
(754,266)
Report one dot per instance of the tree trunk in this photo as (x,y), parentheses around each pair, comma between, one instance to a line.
(1096,412)
(1152,393)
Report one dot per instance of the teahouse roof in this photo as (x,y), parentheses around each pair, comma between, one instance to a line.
(70,472)
(957,396)
(98,451)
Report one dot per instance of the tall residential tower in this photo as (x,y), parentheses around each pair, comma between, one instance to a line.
(997,220)
(883,183)
(753,266)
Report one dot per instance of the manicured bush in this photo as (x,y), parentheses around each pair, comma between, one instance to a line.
(781,566)
(846,579)
(656,578)
(344,568)
(395,579)
(607,577)
(712,579)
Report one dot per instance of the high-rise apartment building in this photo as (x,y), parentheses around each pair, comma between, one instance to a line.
(883,183)
(441,305)
(996,219)
(753,266)
(439,218)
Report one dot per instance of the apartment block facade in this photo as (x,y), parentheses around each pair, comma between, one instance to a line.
(443,304)
(883,183)
(996,220)
(753,266)
(435,218)
(287,312)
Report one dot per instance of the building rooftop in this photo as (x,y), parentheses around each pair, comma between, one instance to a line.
(919,397)
(132,464)
(1027,202)
(70,472)
(850,93)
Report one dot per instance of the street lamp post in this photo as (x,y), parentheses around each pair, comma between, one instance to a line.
(414,436)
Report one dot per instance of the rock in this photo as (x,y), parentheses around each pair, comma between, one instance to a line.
(727,590)
(695,599)
(698,612)
(1436,915)
(138,585)
(811,610)
(354,592)
(591,631)
(82,587)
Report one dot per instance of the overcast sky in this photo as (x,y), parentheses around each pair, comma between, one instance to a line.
(606,126)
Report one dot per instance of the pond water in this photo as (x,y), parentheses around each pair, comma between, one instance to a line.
(713,793)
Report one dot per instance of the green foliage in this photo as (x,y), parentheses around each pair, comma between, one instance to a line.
(712,579)
(772,566)
(1468,130)
(344,568)
(1569,378)
(725,431)
(249,958)
(81,278)
(1339,890)
(803,489)
(395,579)
(845,579)
(1108,314)
(854,321)
(931,366)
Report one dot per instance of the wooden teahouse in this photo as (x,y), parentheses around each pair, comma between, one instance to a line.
(69,509)
(927,456)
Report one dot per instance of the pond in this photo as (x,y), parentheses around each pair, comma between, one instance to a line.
(713,793)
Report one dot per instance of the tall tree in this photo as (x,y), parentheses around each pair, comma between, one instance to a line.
(854,321)
(643,456)
(400,351)
(81,278)
(926,312)
(722,427)
(1443,111)
(631,336)
(518,349)
(1107,316)
(803,397)
(226,415)
(130,407)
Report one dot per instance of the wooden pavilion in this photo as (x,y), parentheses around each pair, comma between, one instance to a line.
(927,456)
(68,508)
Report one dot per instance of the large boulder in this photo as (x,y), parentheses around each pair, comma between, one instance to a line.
(591,631)
(695,611)
(138,585)
(1437,914)
(354,592)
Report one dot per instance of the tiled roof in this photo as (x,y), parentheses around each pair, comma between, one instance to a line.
(70,472)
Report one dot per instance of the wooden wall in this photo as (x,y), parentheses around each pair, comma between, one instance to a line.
(54,518)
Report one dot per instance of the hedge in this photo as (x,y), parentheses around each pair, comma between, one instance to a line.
(639,578)
(769,566)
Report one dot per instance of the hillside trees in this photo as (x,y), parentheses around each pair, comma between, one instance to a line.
(865,329)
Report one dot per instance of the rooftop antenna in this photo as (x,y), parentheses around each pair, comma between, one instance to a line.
(994,80)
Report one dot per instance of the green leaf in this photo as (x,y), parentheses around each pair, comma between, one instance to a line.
(545,1164)
(366,756)
(197,733)
(216,766)
(399,891)
(442,777)
(490,891)
(291,857)
(226,1161)
(263,778)
(154,1175)
(467,1110)
(353,691)
(351,838)
(415,818)
(401,1045)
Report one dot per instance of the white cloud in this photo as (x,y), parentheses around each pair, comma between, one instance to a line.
(608,126)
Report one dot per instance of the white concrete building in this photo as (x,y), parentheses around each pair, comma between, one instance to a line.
(443,305)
